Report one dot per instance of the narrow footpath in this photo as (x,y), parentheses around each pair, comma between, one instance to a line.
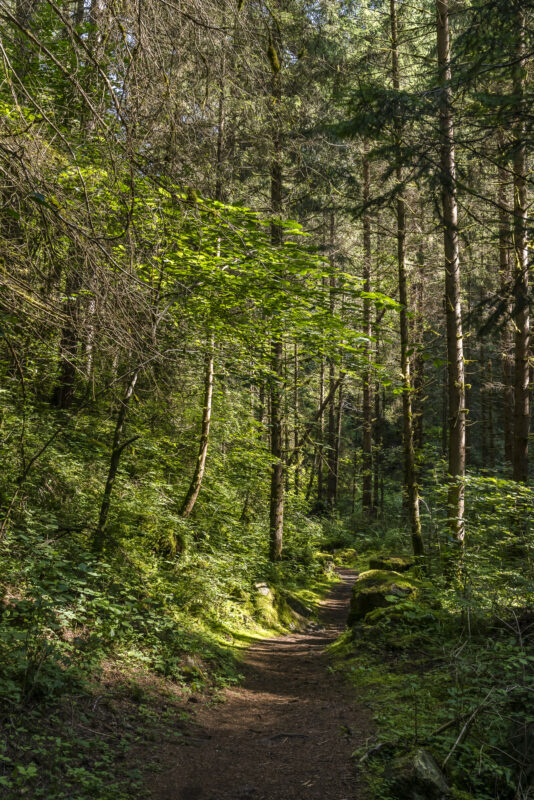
(287,733)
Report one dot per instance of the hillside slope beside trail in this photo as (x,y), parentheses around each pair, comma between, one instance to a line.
(287,733)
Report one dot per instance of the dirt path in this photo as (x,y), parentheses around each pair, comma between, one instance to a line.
(286,734)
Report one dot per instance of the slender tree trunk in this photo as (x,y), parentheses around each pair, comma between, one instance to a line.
(521,278)
(455,354)
(381,505)
(377,458)
(505,249)
(331,482)
(469,356)
(418,362)
(367,410)
(331,461)
(311,479)
(320,487)
(491,426)
(209,370)
(116,452)
(276,505)
(200,466)
(410,478)
(296,415)
(339,426)
(261,405)
(482,372)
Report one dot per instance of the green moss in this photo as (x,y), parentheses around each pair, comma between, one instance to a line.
(395,563)
(377,589)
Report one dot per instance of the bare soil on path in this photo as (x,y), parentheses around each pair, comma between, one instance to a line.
(286,733)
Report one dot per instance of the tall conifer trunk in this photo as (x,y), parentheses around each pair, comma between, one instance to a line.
(418,361)
(455,353)
(320,486)
(332,467)
(505,248)
(410,480)
(521,279)
(367,409)
(276,505)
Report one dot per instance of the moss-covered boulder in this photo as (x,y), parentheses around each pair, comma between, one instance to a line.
(378,589)
(417,776)
(277,611)
(326,561)
(264,606)
(392,563)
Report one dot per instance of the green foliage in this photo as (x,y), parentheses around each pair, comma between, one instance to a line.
(452,670)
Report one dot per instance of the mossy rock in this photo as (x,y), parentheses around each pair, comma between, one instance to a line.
(192,668)
(378,589)
(276,611)
(417,776)
(326,561)
(264,606)
(392,563)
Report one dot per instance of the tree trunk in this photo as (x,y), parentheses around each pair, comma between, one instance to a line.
(410,478)
(455,355)
(418,362)
(521,279)
(491,426)
(276,505)
(296,415)
(505,248)
(331,482)
(320,487)
(116,452)
(377,458)
(200,466)
(367,410)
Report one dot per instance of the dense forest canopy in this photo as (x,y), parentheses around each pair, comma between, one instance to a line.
(265,293)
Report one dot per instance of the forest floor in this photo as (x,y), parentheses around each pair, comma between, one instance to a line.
(286,733)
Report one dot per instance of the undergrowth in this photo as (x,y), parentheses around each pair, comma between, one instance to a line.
(96,654)
(452,671)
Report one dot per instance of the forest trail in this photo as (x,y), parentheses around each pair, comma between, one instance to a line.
(287,733)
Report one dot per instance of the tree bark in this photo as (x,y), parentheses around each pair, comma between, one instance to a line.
(320,487)
(410,478)
(200,466)
(521,278)
(418,362)
(116,452)
(367,410)
(276,505)
(296,415)
(455,354)
(505,249)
